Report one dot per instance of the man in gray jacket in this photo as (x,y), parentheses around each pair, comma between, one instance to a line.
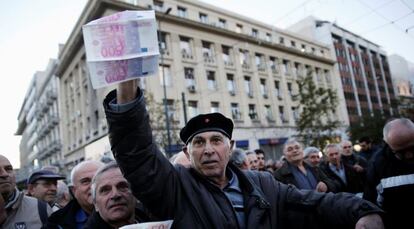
(213,193)
(23,212)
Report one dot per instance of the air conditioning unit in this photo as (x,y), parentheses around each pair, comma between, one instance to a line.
(250,94)
(233,93)
(265,96)
(280,97)
(191,88)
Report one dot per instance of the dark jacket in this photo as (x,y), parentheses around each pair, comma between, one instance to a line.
(390,184)
(65,217)
(285,175)
(192,201)
(354,180)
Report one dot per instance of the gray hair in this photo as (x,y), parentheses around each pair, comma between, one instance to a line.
(290,142)
(98,174)
(403,121)
(62,189)
(80,165)
(238,156)
(309,150)
(332,146)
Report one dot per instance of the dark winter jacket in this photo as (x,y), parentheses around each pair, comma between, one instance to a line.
(189,199)
(285,175)
(64,218)
(390,184)
(354,180)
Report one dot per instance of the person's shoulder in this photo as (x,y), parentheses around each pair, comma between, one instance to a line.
(28,200)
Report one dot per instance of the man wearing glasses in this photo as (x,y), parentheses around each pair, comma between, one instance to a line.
(43,185)
(390,174)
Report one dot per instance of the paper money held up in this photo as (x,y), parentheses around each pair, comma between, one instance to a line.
(121,47)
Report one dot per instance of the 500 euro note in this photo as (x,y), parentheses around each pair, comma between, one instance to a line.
(120,40)
(104,73)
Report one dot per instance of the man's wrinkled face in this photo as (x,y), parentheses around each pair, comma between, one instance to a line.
(347,148)
(293,152)
(209,153)
(44,189)
(260,160)
(82,184)
(253,162)
(333,156)
(7,177)
(313,158)
(114,200)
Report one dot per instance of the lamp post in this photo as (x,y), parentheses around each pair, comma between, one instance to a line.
(167,119)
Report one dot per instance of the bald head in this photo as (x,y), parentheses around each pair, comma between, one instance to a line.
(7,177)
(399,135)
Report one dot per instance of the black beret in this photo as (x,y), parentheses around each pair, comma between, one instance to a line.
(206,122)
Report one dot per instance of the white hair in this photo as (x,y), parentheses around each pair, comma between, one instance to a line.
(81,165)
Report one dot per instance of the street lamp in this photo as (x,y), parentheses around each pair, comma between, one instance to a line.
(167,119)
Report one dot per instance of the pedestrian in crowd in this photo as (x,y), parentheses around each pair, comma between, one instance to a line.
(239,159)
(181,159)
(300,174)
(358,163)
(390,175)
(253,162)
(213,193)
(113,200)
(260,154)
(312,156)
(346,179)
(368,149)
(22,211)
(63,196)
(42,185)
(76,212)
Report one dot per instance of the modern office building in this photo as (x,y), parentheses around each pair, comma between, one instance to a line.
(38,123)
(219,60)
(361,64)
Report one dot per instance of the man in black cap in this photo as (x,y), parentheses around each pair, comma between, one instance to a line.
(42,185)
(213,193)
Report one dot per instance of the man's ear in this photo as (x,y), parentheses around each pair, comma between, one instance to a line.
(231,145)
(185,150)
(30,189)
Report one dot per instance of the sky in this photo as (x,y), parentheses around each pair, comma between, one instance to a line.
(32,30)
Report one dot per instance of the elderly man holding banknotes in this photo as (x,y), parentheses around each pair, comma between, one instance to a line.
(213,193)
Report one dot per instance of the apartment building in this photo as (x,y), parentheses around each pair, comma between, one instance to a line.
(361,65)
(221,61)
(38,123)
(403,78)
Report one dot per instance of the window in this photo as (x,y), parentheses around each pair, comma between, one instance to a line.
(297,69)
(248,86)
(273,64)
(268,113)
(268,37)
(171,110)
(192,108)
(185,46)
(207,49)
(263,90)
(303,49)
(239,28)
(222,23)
(277,90)
(295,113)
(182,12)
(226,55)
(281,40)
(189,77)
(214,107)
(158,5)
(203,18)
(235,111)
(165,70)
(163,41)
(255,33)
(211,81)
(286,67)
(252,112)
(282,114)
(230,84)
(244,58)
(293,44)
(289,88)
(260,64)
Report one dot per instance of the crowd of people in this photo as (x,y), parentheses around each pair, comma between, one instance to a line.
(212,184)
